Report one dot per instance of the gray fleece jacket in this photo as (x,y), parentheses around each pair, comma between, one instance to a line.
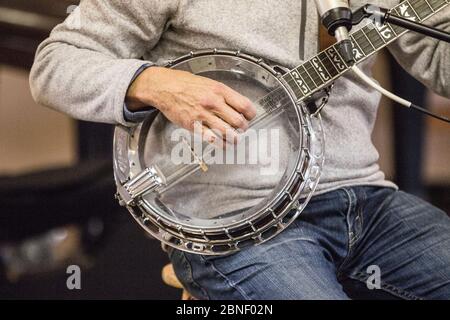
(85,71)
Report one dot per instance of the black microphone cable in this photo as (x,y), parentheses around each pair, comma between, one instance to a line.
(429,113)
(370,82)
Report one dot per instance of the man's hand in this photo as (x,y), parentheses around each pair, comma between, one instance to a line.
(185,99)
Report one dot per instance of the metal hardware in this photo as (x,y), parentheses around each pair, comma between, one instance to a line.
(146,181)
(167,215)
(316,102)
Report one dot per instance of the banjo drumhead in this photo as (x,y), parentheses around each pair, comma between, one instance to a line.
(213,199)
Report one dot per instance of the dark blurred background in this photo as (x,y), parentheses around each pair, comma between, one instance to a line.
(56,183)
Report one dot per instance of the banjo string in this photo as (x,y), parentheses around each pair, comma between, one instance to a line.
(191,168)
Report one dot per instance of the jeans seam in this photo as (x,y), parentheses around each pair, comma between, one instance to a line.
(349,245)
(400,293)
(191,276)
(230,283)
(361,221)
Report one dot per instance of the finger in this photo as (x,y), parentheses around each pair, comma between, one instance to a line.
(204,133)
(231,116)
(201,131)
(209,136)
(240,103)
(221,129)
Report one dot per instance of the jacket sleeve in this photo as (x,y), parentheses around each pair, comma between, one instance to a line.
(86,65)
(426,59)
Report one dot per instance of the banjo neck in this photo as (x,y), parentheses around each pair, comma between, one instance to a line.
(321,70)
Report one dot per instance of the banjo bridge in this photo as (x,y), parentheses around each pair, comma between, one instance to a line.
(198,159)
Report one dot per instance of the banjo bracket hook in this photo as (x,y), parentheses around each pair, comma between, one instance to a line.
(317,101)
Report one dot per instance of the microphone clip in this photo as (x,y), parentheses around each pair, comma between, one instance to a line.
(383,16)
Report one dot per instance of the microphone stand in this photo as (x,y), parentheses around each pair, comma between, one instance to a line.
(340,24)
(383,16)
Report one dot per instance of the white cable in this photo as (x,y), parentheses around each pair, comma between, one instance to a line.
(379,88)
(341,34)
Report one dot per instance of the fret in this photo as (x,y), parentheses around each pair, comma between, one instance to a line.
(320,68)
(365,35)
(421,8)
(414,10)
(336,59)
(386,31)
(373,36)
(398,30)
(329,66)
(358,54)
(429,5)
(405,10)
(299,89)
(436,4)
(313,73)
(308,80)
(363,42)
(301,83)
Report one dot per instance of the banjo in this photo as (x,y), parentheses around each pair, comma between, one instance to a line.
(205,199)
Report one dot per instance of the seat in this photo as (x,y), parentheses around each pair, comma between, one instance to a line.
(169,277)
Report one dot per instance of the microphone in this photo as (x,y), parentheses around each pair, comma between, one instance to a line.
(336,16)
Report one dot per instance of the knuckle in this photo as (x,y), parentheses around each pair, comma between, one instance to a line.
(204,101)
(249,109)
(209,106)
(218,87)
(217,127)
(248,104)
(208,101)
(243,123)
(202,116)
(237,122)
(209,136)
(189,123)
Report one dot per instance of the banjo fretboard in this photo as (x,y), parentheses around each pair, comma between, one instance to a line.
(321,70)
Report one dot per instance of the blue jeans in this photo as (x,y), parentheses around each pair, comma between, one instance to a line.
(330,250)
